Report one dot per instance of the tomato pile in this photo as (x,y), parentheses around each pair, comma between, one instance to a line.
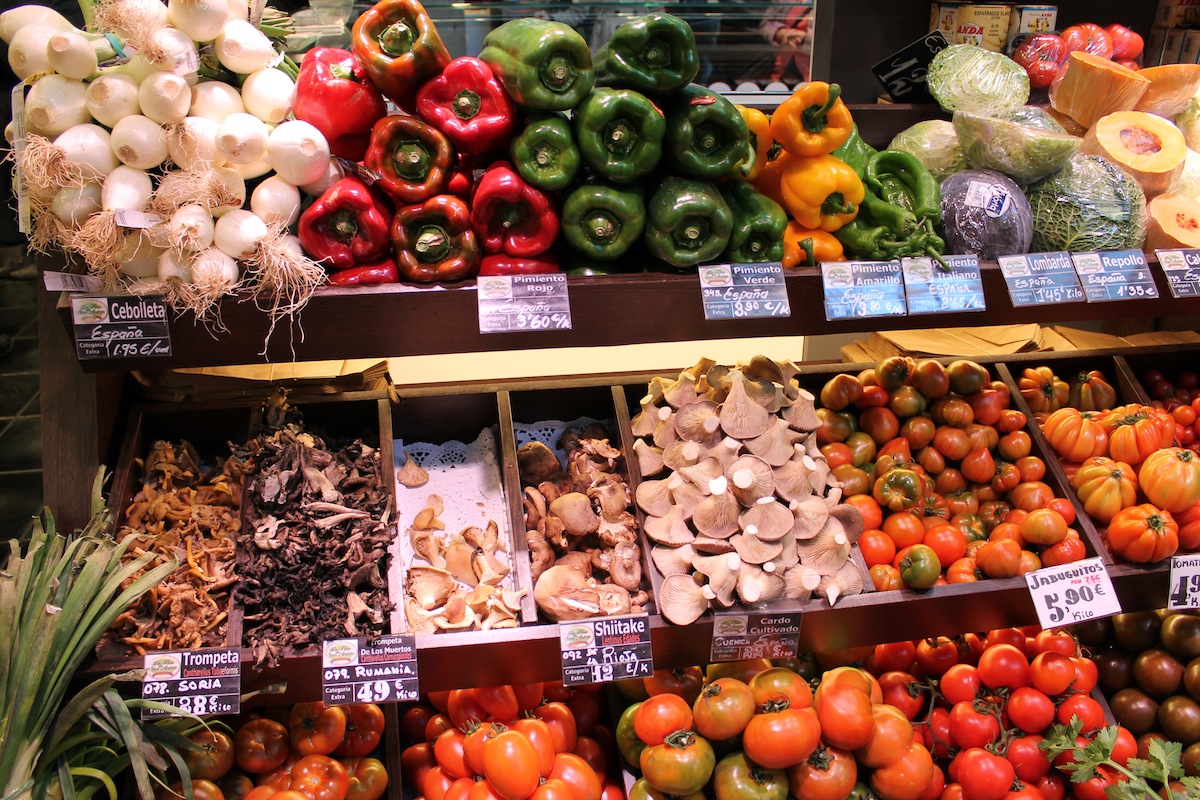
(941,467)
(508,742)
(1123,462)
(322,753)
(1148,664)
(1181,398)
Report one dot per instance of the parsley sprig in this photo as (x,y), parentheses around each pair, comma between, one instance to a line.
(1141,776)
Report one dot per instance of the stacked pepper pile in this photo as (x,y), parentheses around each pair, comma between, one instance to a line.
(535,137)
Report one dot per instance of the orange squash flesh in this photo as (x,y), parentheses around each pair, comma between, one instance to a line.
(1171,86)
(1173,222)
(1146,146)
(1092,87)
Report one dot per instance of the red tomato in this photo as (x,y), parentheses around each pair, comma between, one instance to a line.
(936,655)
(319,777)
(364,730)
(261,745)
(586,709)
(902,690)
(1030,710)
(575,772)
(845,717)
(413,721)
(463,707)
(1127,44)
(562,725)
(450,752)
(983,775)
(1083,706)
(906,778)
(876,547)
(415,763)
(974,724)
(1027,757)
(213,759)
(510,764)
(529,695)
(960,684)
(1086,674)
(1052,672)
(895,655)
(684,682)
(437,725)
(1004,665)
(661,715)
(368,778)
(1041,54)
(540,736)
(1090,38)
(500,702)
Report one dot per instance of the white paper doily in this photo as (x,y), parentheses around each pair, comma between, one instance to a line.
(549,431)
(467,477)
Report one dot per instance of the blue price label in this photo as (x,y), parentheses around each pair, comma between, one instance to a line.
(1182,268)
(1039,279)
(929,289)
(855,289)
(742,291)
(1114,275)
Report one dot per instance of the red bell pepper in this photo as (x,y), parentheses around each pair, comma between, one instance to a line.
(433,241)
(346,227)
(414,160)
(496,264)
(334,94)
(470,106)
(510,216)
(367,275)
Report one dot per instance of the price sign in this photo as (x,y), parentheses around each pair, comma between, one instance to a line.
(1182,268)
(856,289)
(70,282)
(1072,592)
(382,670)
(126,326)
(1184,591)
(1114,275)
(740,291)
(201,682)
(737,637)
(510,303)
(932,290)
(903,74)
(1039,279)
(608,649)
(128,218)
(20,185)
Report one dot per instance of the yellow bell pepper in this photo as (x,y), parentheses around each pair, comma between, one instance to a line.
(803,247)
(821,192)
(759,125)
(813,121)
(770,177)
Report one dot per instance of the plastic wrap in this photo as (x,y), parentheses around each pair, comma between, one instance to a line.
(1024,153)
(985,213)
(968,78)
(1036,117)
(1090,204)
(1188,182)
(1188,122)
(935,143)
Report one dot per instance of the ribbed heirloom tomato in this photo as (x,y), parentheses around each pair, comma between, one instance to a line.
(368,778)
(260,745)
(320,777)
(1143,533)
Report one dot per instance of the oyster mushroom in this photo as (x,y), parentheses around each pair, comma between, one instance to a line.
(790,556)
(754,550)
(459,561)
(646,420)
(489,569)
(672,560)
(429,586)
(417,619)
(671,529)
(717,514)
(654,497)
(649,458)
(429,546)
(791,482)
(725,451)
(411,473)
(699,422)
(828,550)
(750,478)
(664,432)
(575,510)
(769,517)
(715,383)
(741,416)
(707,544)
(681,599)
(682,453)
(703,473)
(681,391)
(800,582)
(774,445)
(847,580)
(685,494)
(760,366)
(802,413)
(537,463)
(851,519)
(721,572)
(755,585)
(810,515)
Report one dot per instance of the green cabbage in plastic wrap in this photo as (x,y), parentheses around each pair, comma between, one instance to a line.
(935,144)
(1036,117)
(1090,204)
(1023,153)
(985,213)
(964,77)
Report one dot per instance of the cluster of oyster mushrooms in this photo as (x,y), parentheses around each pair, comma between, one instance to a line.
(741,504)
(579,523)
(457,582)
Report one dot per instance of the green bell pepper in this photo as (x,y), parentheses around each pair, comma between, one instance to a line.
(855,152)
(758,224)
(544,152)
(706,134)
(543,64)
(901,179)
(654,54)
(620,134)
(603,222)
(689,222)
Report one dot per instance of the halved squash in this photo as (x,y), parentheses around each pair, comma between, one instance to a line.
(1174,222)
(1171,86)
(1146,146)
(1091,87)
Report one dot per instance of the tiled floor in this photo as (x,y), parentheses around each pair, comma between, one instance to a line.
(20,420)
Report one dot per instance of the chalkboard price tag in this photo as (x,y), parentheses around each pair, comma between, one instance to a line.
(1039,279)
(1184,591)
(1182,268)
(856,289)
(509,303)
(1072,593)
(200,682)
(605,649)
(1114,275)
(381,670)
(903,74)
(738,637)
(120,326)
(742,291)
(929,289)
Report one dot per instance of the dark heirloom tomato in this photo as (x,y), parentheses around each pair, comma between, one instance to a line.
(894,371)
(681,765)
(899,490)
(881,424)
(685,682)
(967,377)
(987,405)
(853,480)
(862,448)
(320,778)
(917,431)
(834,427)
(628,744)
(840,391)
(316,729)
(368,778)
(642,790)
(738,778)
(213,758)
(930,379)
(920,567)
(261,745)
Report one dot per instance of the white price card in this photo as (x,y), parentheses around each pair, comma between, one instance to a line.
(1184,589)
(1072,592)
(201,682)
